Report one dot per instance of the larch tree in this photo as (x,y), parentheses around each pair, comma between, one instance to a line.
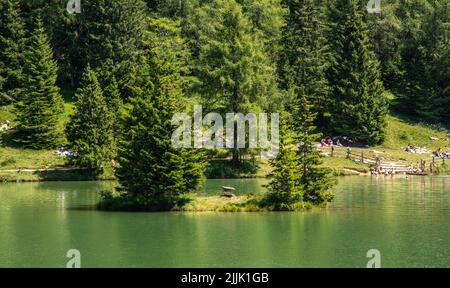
(234,69)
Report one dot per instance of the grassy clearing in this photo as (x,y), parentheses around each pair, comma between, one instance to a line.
(399,134)
(16,158)
(246,203)
(338,165)
(197,203)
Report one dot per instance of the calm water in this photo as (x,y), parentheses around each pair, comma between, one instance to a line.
(408,220)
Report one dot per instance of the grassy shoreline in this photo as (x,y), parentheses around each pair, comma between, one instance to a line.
(194,202)
(25,165)
(339,166)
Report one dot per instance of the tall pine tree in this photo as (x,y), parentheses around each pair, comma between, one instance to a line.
(89,131)
(315,179)
(285,188)
(12,44)
(437,49)
(110,38)
(41,106)
(358,106)
(425,62)
(305,54)
(152,172)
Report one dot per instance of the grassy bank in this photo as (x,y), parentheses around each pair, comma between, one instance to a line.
(17,164)
(54,175)
(200,203)
(400,133)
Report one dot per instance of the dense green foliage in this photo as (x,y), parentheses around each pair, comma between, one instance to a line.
(234,68)
(424,90)
(305,54)
(325,64)
(41,105)
(110,38)
(315,179)
(89,131)
(12,43)
(285,188)
(152,171)
(358,106)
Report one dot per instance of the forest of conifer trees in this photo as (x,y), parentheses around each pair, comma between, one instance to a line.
(328,67)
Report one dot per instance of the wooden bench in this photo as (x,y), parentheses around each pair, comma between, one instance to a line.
(228,192)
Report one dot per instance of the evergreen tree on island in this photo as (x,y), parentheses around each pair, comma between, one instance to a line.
(41,106)
(89,131)
(315,179)
(358,103)
(152,172)
(285,189)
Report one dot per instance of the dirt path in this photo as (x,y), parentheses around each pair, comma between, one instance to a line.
(43,170)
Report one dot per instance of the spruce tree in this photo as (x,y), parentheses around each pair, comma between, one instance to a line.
(115,106)
(41,106)
(385,36)
(12,44)
(89,131)
(410,93)
(358,105)
(285,188)
(152,172)
(437,49)
(110,38)
(305,54)
(315,179)
(424,89)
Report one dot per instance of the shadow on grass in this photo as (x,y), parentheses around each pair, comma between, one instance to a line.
(7,139)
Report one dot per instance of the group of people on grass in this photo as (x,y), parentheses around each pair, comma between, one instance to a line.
(329,142)
(441,154)
(415,149)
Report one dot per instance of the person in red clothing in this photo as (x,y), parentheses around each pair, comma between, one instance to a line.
(329,141)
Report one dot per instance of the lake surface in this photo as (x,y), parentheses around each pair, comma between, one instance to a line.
(407,220)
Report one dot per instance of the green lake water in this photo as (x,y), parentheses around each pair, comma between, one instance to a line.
(406,219)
